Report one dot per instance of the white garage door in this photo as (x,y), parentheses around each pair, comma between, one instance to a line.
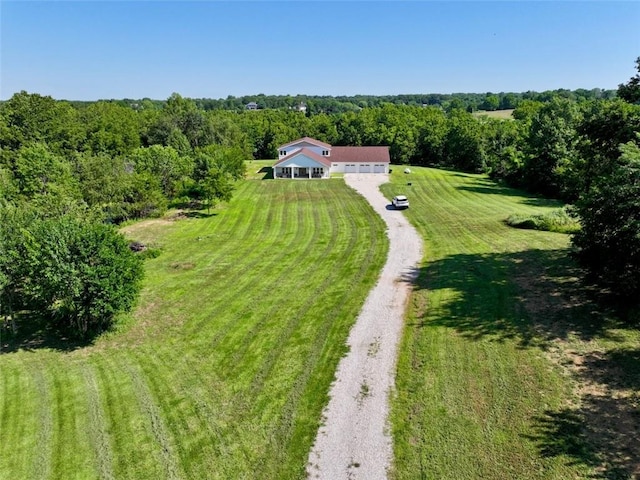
(365,168)
(378,169)
(350,168)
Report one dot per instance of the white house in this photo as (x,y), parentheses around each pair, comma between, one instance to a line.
(311,158)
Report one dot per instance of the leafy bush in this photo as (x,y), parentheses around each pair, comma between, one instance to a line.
(78,273)
(560,220)
(83,273)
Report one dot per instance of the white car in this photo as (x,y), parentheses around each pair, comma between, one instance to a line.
(400,201)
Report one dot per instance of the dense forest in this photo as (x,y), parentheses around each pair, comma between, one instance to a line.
(68,170)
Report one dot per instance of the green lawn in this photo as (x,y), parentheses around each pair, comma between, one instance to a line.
(490,380)
(224,368)
(259,169)
(506,370)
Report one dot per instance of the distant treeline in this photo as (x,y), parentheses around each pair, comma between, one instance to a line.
(314,104)
(126,159)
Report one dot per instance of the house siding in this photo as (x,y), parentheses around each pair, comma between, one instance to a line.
(315,149)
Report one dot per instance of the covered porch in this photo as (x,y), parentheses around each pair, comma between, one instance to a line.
(300,172)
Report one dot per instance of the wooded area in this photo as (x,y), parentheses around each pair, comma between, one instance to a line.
(78,166)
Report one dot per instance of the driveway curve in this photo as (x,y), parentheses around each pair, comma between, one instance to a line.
(354,441)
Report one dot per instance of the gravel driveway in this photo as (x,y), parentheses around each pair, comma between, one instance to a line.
(354,441)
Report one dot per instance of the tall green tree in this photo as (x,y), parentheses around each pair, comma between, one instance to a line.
(491,102)
(111,128)
(32,118)
(432,133)
(552,148)
(13,265)
(463,147)
(503,144)
(103,182)
(630,91)
(606,125)
(609,242)
(44,178)
(143,197)
(216,170)
(165,163)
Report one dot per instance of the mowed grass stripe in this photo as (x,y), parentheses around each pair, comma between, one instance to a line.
(315,253)
(224,368)
(261,272)
(134,452)
(307,396)
(190,411)
(256,351)
(98,433)
(212,261)
(20,448)
(471,374)
(273,281)
(147,404)
(71,446)
(296,229)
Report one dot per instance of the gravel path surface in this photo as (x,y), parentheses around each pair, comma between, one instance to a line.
(354,441)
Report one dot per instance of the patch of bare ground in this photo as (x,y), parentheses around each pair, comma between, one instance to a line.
(600,425)
(148,227)
(143,225)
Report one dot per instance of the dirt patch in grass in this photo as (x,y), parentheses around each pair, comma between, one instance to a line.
(134,228)
(601,424)
(177,266)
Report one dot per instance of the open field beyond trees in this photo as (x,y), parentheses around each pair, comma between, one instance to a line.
(501,114)
(507,370)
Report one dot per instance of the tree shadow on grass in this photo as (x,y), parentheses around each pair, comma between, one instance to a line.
(537,298)
(602,434)
(199,214)
(525,199)
(34,332)
(530,297)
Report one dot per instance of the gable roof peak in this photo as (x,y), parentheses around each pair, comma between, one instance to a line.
(313,141)
(307,153)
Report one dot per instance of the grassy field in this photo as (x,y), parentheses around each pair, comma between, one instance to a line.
(501,114)
(224,368)
(507,369)
(259,169)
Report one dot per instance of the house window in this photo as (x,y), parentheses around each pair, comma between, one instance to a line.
(283,153)
(286,171)
(325,153)
(317,172)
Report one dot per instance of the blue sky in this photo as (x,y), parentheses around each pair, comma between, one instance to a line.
(88,50)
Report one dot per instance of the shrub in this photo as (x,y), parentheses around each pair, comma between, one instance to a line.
(560,220)
(83,274)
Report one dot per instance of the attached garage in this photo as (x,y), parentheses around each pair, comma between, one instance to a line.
(365,168)
(379,168)
(350,168)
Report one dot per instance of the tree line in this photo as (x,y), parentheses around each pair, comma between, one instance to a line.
(82,166)
(315,104)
